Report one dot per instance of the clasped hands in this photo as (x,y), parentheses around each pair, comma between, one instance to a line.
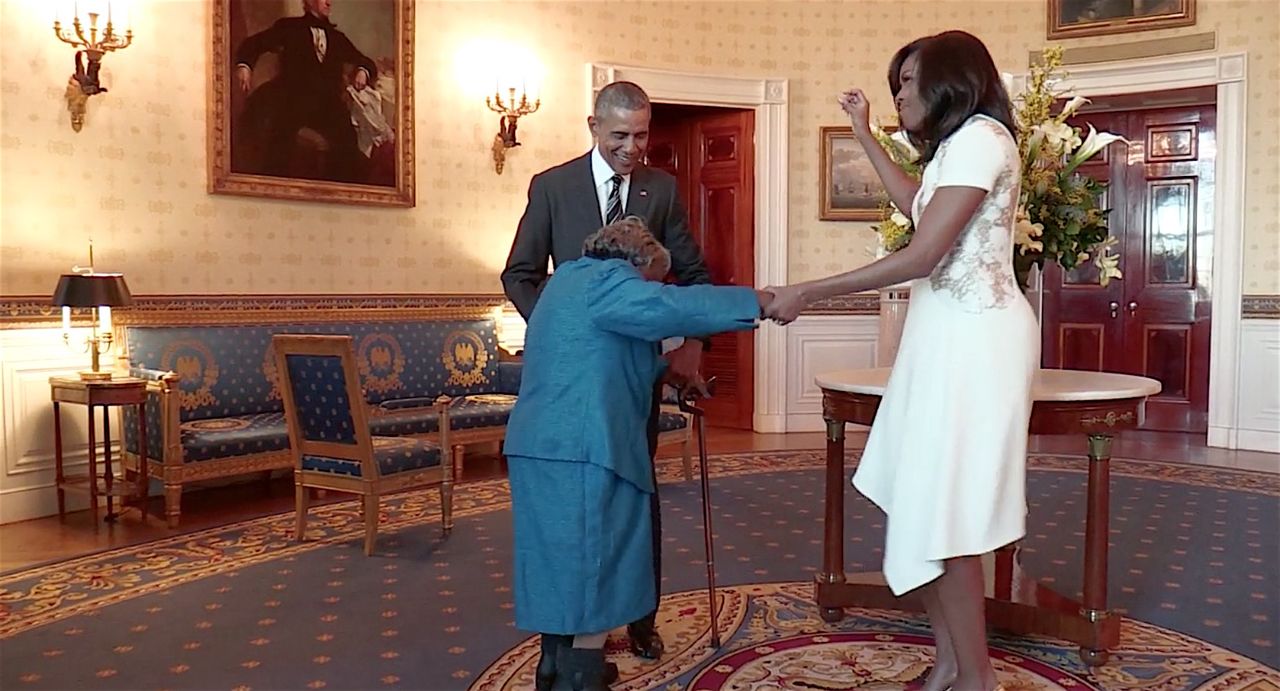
(782,304)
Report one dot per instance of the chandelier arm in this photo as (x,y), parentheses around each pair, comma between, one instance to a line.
(84,42)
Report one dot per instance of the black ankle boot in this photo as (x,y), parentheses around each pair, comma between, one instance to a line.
(580,669)
(545,676)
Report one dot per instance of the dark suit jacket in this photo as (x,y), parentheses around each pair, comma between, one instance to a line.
(299,70)
(563,210)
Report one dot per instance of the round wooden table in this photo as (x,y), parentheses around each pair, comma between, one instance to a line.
(1096,404)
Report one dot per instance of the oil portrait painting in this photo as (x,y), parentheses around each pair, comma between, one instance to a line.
(312,99)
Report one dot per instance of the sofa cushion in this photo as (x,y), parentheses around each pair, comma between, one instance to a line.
(402,422)
(509,374)
(221,367)
(233,436)
(392,454)
(669,422)
(481,410)
(230,370)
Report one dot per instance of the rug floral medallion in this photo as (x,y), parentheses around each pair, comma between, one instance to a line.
(770,631)
(772,638)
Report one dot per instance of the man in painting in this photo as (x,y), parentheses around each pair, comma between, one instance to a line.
(307,94)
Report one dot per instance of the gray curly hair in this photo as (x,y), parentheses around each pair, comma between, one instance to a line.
(627,239)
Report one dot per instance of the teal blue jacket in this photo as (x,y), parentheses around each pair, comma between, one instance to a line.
(591,360)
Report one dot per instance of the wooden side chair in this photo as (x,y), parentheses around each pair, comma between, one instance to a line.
(329,435)
(676,427)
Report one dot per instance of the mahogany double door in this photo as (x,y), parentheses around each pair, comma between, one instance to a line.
(711,152)
(1155,321)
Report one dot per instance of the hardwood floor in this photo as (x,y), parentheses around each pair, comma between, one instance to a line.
(47,539)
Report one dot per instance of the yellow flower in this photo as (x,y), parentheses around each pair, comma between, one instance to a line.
(1025,232)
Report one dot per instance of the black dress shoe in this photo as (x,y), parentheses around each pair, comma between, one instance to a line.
(645,641)
(580,669)
(545,675)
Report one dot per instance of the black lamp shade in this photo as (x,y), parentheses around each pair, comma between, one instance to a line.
(92,290)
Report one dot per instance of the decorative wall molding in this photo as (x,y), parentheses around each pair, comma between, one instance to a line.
(36,312)
(767,97)
(1260,307)
(861,303)
(1227,72)
(825,343)
(1258,426)
(1135,50)
(28,357)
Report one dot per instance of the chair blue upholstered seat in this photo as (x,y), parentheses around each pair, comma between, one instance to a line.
(330,438)
(392,455)
(234,436)
(670,422)
(215,403)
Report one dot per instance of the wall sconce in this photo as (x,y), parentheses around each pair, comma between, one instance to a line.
(91,47)
(511,111)
(99,292)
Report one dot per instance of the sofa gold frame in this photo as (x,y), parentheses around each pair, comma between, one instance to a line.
(175,474)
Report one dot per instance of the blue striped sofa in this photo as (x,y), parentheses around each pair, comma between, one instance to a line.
(214,407)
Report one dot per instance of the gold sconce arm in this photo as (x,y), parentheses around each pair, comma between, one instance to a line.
(510,110)
(90,49)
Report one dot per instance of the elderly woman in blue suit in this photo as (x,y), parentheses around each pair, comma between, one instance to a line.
(576,445)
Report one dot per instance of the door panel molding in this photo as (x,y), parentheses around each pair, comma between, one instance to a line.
(1228,73)
(769,99)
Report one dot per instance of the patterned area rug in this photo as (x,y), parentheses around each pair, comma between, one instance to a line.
(772,638)
(244,606)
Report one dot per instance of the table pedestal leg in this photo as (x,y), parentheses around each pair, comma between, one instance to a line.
(57,461)
(108,475)
(93,469)
(1096,539)
(832,574)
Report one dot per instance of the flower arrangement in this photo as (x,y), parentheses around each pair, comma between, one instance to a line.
(1058,217)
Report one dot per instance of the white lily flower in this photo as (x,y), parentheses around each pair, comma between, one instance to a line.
(900,218)
(900,138)
(1072,106)
(1108,264)
(1061,136)
(1095,142)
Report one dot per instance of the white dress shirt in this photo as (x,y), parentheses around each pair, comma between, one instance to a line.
(321,41)
(602,173)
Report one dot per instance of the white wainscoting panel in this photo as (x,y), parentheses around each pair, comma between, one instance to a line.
(1258,425)
(28,357)
(823,343)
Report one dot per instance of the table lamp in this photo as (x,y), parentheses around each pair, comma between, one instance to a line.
(99,292)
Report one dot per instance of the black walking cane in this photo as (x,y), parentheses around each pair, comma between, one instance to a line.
(686,398)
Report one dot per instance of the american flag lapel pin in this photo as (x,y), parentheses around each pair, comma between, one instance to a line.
(644,193)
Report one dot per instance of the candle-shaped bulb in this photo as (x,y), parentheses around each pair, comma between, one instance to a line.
(104,319)
(66,320)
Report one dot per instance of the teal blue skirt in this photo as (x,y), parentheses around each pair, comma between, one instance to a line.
(583,549)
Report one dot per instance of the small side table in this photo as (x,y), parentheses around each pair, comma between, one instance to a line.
(100,394)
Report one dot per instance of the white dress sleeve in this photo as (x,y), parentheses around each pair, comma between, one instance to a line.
(974,156)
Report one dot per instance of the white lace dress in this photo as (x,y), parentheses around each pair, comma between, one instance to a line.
(946,459)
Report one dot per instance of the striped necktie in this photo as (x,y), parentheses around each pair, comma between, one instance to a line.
(613,208)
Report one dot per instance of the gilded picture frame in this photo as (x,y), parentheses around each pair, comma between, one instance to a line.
(1079,18)
(849,189)
(313,107)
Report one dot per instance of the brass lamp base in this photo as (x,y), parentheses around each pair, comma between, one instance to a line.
(90,375)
